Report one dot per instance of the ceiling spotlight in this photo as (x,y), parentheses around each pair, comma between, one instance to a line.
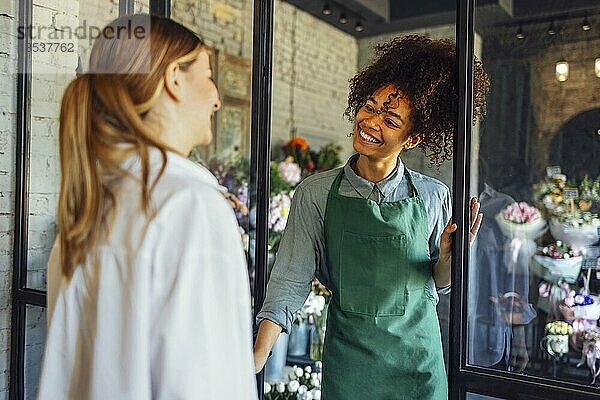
(343,19)
(585,26)
(327,10)
(520,34)
(551,30)
(359,27)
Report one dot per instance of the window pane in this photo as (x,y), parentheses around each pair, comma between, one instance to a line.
(226,29)
(535,167)
(55,63)
(475,396)
(35,339)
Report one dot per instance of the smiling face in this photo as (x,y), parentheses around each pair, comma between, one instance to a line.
(382,127)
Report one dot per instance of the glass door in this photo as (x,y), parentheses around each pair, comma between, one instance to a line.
(530,304)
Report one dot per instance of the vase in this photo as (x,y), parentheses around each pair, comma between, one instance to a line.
(555,345)
(276,362)
(299,339)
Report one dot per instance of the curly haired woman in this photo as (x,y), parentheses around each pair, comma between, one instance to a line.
(378,234)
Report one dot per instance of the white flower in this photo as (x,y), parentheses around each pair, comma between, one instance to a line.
(299,372)
(280,387)
(316,394)
(315,382)
(290,172)
(308,396)
(320,376)
(293,386)
(308,369)
(267,388)
(306,375)
(302,389)
(318,365)
(313,375)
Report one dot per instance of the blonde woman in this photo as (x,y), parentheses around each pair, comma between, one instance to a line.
(148,293)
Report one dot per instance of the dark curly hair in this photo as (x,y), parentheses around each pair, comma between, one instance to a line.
(424,71)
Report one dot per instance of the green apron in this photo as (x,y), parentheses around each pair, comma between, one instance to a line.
(383,338)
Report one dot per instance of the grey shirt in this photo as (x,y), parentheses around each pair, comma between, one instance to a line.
(301,253)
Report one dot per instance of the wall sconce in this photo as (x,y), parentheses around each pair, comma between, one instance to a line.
(562,70)
(597,67)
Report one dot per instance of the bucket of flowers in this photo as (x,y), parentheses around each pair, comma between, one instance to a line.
(558,261)
(299,384)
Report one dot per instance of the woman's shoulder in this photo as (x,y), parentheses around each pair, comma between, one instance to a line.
(429,184)
(320,180)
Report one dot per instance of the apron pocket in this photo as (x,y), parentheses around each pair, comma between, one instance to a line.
(373,274)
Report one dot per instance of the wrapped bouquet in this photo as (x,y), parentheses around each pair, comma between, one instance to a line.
(558,261)
(577,228)
(521,220)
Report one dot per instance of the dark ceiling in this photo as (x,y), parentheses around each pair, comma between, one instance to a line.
(383,16)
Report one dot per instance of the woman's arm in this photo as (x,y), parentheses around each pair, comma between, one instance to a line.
(268,332)
(290,281)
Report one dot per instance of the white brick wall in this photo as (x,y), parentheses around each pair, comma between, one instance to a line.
(325,59)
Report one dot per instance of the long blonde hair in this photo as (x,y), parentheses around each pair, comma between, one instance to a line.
(102,123)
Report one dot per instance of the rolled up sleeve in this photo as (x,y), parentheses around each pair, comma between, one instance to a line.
(295,263)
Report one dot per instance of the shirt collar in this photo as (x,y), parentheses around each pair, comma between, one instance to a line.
(365,187)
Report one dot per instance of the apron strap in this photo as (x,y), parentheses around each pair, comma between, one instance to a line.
(335,187)
(411,185)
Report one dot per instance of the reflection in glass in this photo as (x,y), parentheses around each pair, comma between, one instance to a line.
(534,286)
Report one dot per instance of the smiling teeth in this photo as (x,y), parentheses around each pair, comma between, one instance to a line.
(368,138)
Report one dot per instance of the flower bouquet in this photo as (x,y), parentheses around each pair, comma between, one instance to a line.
(522,224)
(558,261)
(577,228)
(556,341)
(521,220)
(580,306)
(590,353)
(301,384)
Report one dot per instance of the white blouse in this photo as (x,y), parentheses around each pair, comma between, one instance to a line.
(163,310)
